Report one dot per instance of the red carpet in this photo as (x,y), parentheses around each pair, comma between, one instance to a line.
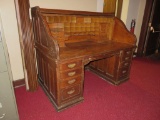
(137,99)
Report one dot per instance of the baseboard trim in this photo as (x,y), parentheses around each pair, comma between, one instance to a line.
(19,83)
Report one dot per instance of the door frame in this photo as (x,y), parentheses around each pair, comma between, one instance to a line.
(144,28)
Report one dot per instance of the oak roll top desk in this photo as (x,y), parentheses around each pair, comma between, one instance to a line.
(67,42)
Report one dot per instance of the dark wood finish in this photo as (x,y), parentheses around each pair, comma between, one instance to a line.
(148,40)
(27,42)
(151,43)
(18,83)
(144,27)
(67,41)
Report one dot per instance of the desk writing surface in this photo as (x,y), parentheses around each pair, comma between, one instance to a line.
(87,48)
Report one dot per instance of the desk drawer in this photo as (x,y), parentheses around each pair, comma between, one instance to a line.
(71,92)
(125,64)
(127,55)
(123,71)
(71,73)
(70,65)
(127,52)
(71,81)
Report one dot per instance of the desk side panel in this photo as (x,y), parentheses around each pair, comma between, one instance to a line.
(121,34)
(42,35)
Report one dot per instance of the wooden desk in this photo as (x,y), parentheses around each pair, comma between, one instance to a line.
(64,49)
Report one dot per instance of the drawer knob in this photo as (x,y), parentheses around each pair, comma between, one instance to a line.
(71,81)
(90,59)
(71,92)
(71,73)
(124,71)
(128,52)
(71,65)
(127,58)
(126,64)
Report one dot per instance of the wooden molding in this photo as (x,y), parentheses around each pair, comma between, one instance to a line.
(144,27)
(18,83)
(109,6)
(27,42)
(119,8)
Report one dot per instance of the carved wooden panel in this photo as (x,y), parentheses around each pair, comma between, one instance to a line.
(26,40)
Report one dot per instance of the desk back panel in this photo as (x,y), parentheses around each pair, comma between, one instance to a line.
(72,28)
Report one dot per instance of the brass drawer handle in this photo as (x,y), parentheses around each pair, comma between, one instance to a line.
(126,64)
(128,52)
(90,59)
(71,73)
(124,71)
(127,58)
(71,81)
(71,65)
(71,92)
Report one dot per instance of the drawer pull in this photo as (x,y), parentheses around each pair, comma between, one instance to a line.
(71,65)
(71,73)
(71,81)
(90,59)
(128,52)
(71,92)
(127,58)
(124,71)
(126,64)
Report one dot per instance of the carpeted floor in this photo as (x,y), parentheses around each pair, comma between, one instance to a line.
(136,99)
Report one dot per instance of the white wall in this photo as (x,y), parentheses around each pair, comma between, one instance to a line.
(139,19)
(136,11)
(84,5)
(100,5)
(124,13)
(132,12)
(9,24)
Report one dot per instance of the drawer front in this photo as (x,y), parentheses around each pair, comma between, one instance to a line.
(123,71)
(127,52)
(71,81)
(70,65)
(125,64)
(71,92)
(71,73)
(127,55)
